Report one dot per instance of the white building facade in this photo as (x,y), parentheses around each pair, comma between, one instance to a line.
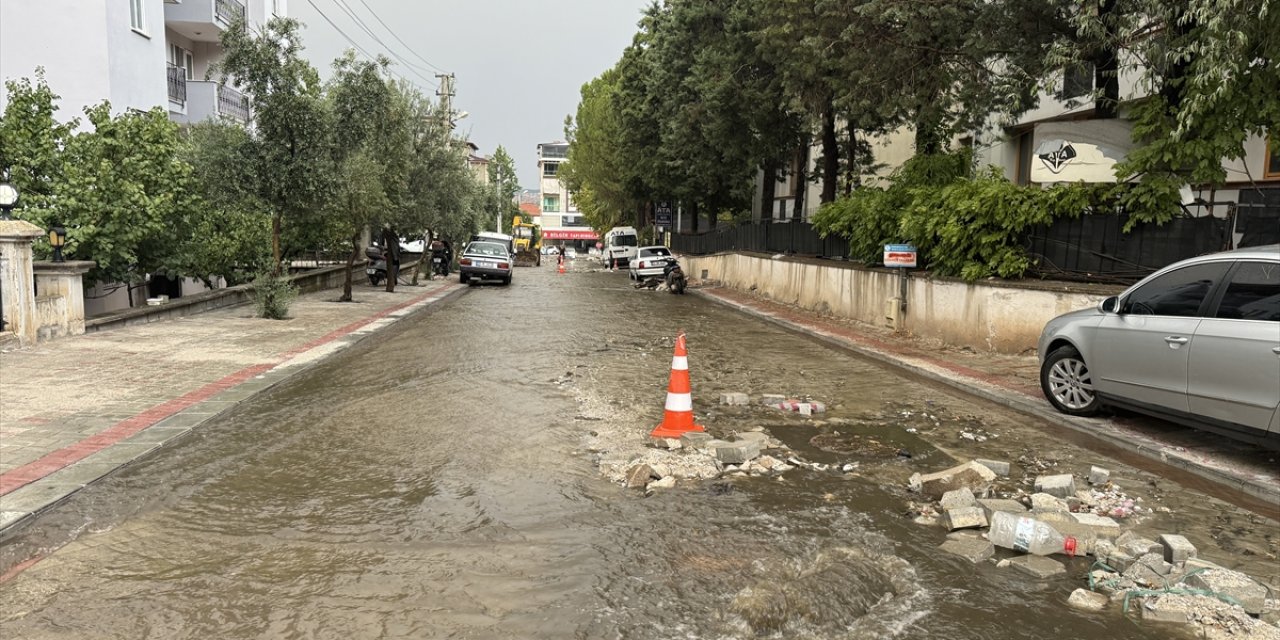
(562,223)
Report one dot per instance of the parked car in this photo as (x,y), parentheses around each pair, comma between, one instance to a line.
(483,260)
(571,253)
(649,261)
(1197,343)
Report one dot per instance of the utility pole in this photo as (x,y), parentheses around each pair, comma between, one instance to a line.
(446,93)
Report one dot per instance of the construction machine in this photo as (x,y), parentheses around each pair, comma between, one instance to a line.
(528,241)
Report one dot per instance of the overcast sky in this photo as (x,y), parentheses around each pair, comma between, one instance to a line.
(519,64)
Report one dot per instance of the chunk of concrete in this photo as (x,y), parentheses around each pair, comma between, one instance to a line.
(964,518)
(736,452)
(1086,600)
(1152,611)
(639,476)
(970,474)
(735,399)
(1098,475)
(973,550)
(1096,521)
(1199,563)
(753,436)
(1145,575)
(992,505)
(1250,594)
(1137,546)
(1119,560)
(695,439)
(772,398)
(997,467)
(666,443)
(665,483)
(1038,567)
(1177,549)
(1044,502)
(957,499)
(1060,486)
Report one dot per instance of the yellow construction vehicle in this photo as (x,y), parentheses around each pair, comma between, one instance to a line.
(528,242)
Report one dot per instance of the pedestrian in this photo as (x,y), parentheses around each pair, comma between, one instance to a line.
(391,251)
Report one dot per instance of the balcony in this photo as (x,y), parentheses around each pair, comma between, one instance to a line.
(202,20)
(177,80)
(210,100)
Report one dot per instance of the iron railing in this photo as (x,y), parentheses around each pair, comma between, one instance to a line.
(177,84)
(228,10)
(232,103)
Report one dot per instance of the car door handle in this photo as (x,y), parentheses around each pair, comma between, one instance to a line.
(1173,340)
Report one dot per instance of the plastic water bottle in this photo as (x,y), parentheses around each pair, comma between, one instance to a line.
(1028,535)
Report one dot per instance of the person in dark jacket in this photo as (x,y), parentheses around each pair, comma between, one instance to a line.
(391,249)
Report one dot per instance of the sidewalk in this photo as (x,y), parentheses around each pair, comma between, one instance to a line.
(77,409)
(1013,381)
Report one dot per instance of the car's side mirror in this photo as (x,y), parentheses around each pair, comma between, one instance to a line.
(1110,304)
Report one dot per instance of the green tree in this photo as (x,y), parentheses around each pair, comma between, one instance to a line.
(32,142)
(597,171)
(505,184)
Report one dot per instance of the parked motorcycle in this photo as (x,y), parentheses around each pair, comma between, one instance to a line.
(377,267)
(439,259)
(674,276)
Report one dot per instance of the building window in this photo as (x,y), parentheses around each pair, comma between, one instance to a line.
(182,59)
(550,169)
(1271,163)
(136,16)
(1077,81)
(551,204)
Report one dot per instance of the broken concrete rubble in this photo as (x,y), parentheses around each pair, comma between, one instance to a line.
(964,518)
(972,475)
(973,550)
(735,399)
(666,443)
(1232,584)
(992,505)
(1087,600)
(957,499)
(695,439)
(996,466)
(1177,548)
(1060,486)
(1098,475)
(1038,567)
(1043,502)
(665,483)
(639,476)
(736,452)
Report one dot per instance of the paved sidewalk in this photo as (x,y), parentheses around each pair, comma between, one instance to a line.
(76,409)
(1013,380)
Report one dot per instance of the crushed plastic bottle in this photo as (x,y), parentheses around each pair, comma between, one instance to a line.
(1028,535)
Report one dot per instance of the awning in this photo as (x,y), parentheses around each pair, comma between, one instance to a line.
(565,234)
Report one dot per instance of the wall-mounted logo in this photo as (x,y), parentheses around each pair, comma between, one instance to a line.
(1056,159)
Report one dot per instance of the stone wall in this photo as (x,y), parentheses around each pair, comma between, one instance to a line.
(993,315)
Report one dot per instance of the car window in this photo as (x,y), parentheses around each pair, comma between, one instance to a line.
(660,251)
(625,241)
(1253,293)
(1177,293)
(486,249)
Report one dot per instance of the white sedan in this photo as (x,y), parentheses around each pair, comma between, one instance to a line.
(649,261)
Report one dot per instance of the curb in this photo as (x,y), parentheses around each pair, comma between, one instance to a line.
(30,490)
(1097,428)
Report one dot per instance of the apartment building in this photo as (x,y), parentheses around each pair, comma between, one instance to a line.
(562,223)
(138,54)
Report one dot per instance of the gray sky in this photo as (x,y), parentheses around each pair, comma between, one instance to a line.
(519,63)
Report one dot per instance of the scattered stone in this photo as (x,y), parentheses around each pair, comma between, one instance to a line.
(1061,485)
(1043,502)
(666,443)
(1098,475)
(1087,600)
(1199,563)
(772,398)
(735,452)
(969,474)
(695,439)
(1142,573)
(660,470)
(638,476)
(1119,560)
(1137,546)
(1157,564)
(768,463)
(957,499)
(973,550)
(992,505)
(997,467)
(735,399)
(965,534)
(1233,584)
(753,436)
(1102,549)
(1038,567)
(1177,549)
(964,518)
(1154,610)
(1095,521)
(665,483)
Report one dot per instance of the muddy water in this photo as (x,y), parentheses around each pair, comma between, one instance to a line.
(439,481)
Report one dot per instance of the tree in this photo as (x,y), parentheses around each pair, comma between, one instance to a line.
(597,170)
(32,141)
(505,185)
(292,157)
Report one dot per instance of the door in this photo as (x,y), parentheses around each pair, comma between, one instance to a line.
(1141,353)
(1234,372)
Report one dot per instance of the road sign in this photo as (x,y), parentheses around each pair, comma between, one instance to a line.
(662,214)
(900,256)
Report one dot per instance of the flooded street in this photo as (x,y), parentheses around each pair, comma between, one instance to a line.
(441,480)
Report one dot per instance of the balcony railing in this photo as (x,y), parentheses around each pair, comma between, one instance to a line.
(177,84)
(233,103)
(228,10)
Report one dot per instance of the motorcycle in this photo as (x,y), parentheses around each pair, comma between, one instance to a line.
(439,265)
(674,277)
(377,268)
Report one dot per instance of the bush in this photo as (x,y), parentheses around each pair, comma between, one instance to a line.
(272,295)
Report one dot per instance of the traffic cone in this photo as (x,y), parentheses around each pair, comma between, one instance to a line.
(678,418)
(561,269)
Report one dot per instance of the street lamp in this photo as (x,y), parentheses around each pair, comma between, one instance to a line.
(57,239)
(8,198)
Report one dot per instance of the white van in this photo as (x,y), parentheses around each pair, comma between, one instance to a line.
(620,246)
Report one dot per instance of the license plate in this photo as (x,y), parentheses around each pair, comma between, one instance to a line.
(370,271)
(486,265)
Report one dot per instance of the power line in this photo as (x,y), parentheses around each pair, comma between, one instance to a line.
(398,38)
(359,48)
(413,68)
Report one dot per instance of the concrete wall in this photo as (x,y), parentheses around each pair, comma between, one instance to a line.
(985,316)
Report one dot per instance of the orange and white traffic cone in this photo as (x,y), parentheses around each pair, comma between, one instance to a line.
(561,268)
(678,418)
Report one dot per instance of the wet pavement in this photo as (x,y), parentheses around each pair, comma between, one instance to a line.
(439,479)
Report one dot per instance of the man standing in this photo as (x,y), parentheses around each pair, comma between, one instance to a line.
(391,249)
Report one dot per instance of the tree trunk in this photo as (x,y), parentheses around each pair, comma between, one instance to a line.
(852,169)
(351,264)
(802,179)
(830,155)
(1106,66)
(275,244)
(693,214)
(769,189)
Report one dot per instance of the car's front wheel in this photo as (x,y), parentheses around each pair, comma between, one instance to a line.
(1067,382)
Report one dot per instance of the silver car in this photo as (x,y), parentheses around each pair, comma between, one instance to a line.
(1197,343)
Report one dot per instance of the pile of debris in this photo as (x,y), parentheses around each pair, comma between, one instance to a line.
(776,401)
(1159,580)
